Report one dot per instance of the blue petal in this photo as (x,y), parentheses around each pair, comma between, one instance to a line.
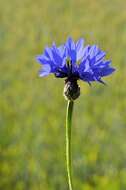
(86,76)
(46,70)
(101,72)
(42,59)
(86,51)
(92,61)
(56,55)
(70,43)
(48,53)
(102,64)
(61,50)
(46,61)
(107,71)
(93,51)
(70,50)
(84,66)
(80,48)
(100,55)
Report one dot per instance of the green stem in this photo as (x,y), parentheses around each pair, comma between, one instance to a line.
(68,141)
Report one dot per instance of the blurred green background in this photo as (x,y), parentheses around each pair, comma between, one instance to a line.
(32,109)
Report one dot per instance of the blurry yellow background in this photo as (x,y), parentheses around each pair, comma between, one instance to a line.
(32,109)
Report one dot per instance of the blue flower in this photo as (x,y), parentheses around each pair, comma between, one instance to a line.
(75,61)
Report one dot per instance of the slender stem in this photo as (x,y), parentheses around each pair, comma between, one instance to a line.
(68,141)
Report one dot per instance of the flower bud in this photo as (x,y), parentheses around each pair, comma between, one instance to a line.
(71,89)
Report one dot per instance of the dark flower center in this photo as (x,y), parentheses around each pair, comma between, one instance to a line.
(68,71)
(69,66)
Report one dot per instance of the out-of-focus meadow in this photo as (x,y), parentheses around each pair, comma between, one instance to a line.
(32,109)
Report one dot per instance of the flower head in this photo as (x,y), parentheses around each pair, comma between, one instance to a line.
(75,61)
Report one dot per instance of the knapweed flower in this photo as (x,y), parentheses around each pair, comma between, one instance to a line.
(75,61)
